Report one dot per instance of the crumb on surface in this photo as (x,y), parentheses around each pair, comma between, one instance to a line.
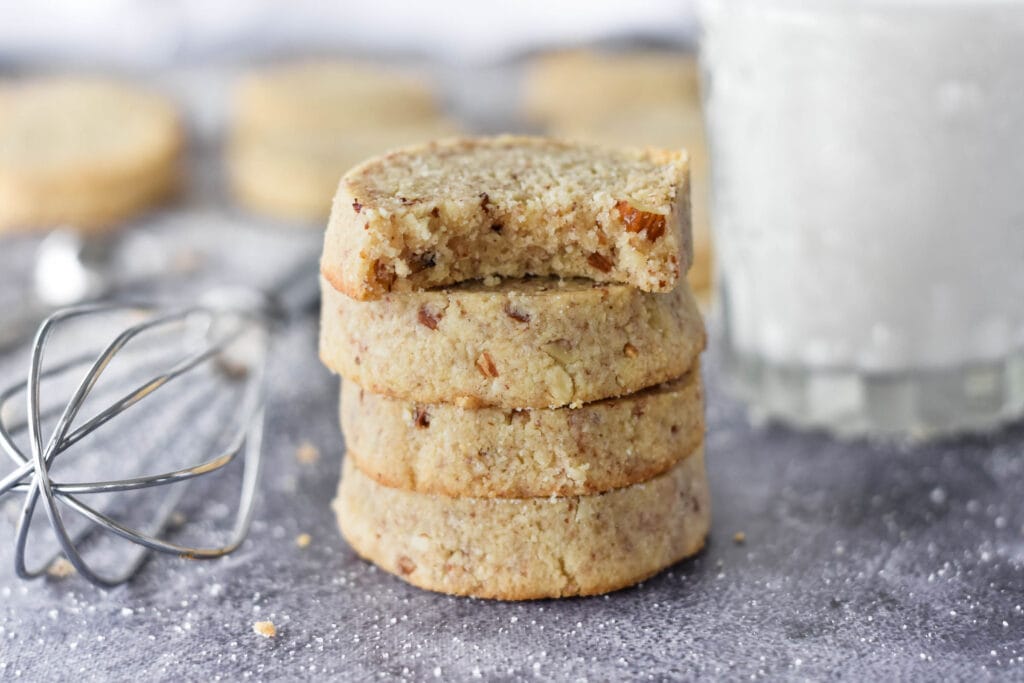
(303,540)
(307,453)
(61,568)
(739,538)
(265,629)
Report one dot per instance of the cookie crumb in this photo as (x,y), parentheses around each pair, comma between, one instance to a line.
(265,629)
(303,540)
(307,453)
(739,538)
(492,281)
(61,568)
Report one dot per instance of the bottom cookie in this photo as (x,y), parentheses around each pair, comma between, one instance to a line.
(524,549)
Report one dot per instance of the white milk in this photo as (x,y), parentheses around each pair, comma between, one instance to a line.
(868,186)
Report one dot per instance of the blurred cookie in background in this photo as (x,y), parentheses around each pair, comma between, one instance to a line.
(629,99)
(88,153)
(293,176)
(576,85)
(298,127)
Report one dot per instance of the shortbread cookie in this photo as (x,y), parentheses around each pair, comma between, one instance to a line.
(326,96)
(575,86)
(85,152)
(671,126)
(462,209)
(490,452)
(533,343)
(294,175)
(522,549)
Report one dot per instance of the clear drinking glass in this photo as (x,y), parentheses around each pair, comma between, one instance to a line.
(867,165)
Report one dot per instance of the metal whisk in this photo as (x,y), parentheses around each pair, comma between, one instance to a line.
(226,319)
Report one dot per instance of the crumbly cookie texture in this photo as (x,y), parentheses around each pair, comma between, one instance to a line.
(522,549)
(678,125)
(490,452)
(292,175)
(533,343)
(330,96)
(467,208)
(85,152)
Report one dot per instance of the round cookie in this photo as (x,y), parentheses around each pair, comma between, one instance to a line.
(490,452)
(466,208)
(329,97)
(85,152)
(293,175)
(299,127)
(523,549)
(576,85)
(533,343)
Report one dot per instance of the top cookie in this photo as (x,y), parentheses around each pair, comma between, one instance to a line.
(86,151)
(468,208)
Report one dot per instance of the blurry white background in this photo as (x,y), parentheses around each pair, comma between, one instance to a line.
(145,33)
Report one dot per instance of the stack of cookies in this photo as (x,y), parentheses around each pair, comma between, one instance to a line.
(522,401)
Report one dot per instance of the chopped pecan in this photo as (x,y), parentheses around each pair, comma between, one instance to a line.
(428,318)
(405,565)
(435,212)
(560,385)
(599,262)
(560,350)
(421,417)
(383,275)
(485,364)
(651,224)
(516,314)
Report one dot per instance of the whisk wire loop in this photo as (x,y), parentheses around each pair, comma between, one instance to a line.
(31,475)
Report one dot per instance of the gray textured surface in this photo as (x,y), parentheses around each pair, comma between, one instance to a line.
(861,561)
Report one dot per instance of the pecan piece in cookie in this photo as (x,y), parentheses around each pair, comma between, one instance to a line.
(651,224)
(516,314)
(599,262)
(485,364)
(428,318)
(421,417)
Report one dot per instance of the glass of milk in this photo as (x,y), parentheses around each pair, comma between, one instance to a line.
(867,164)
